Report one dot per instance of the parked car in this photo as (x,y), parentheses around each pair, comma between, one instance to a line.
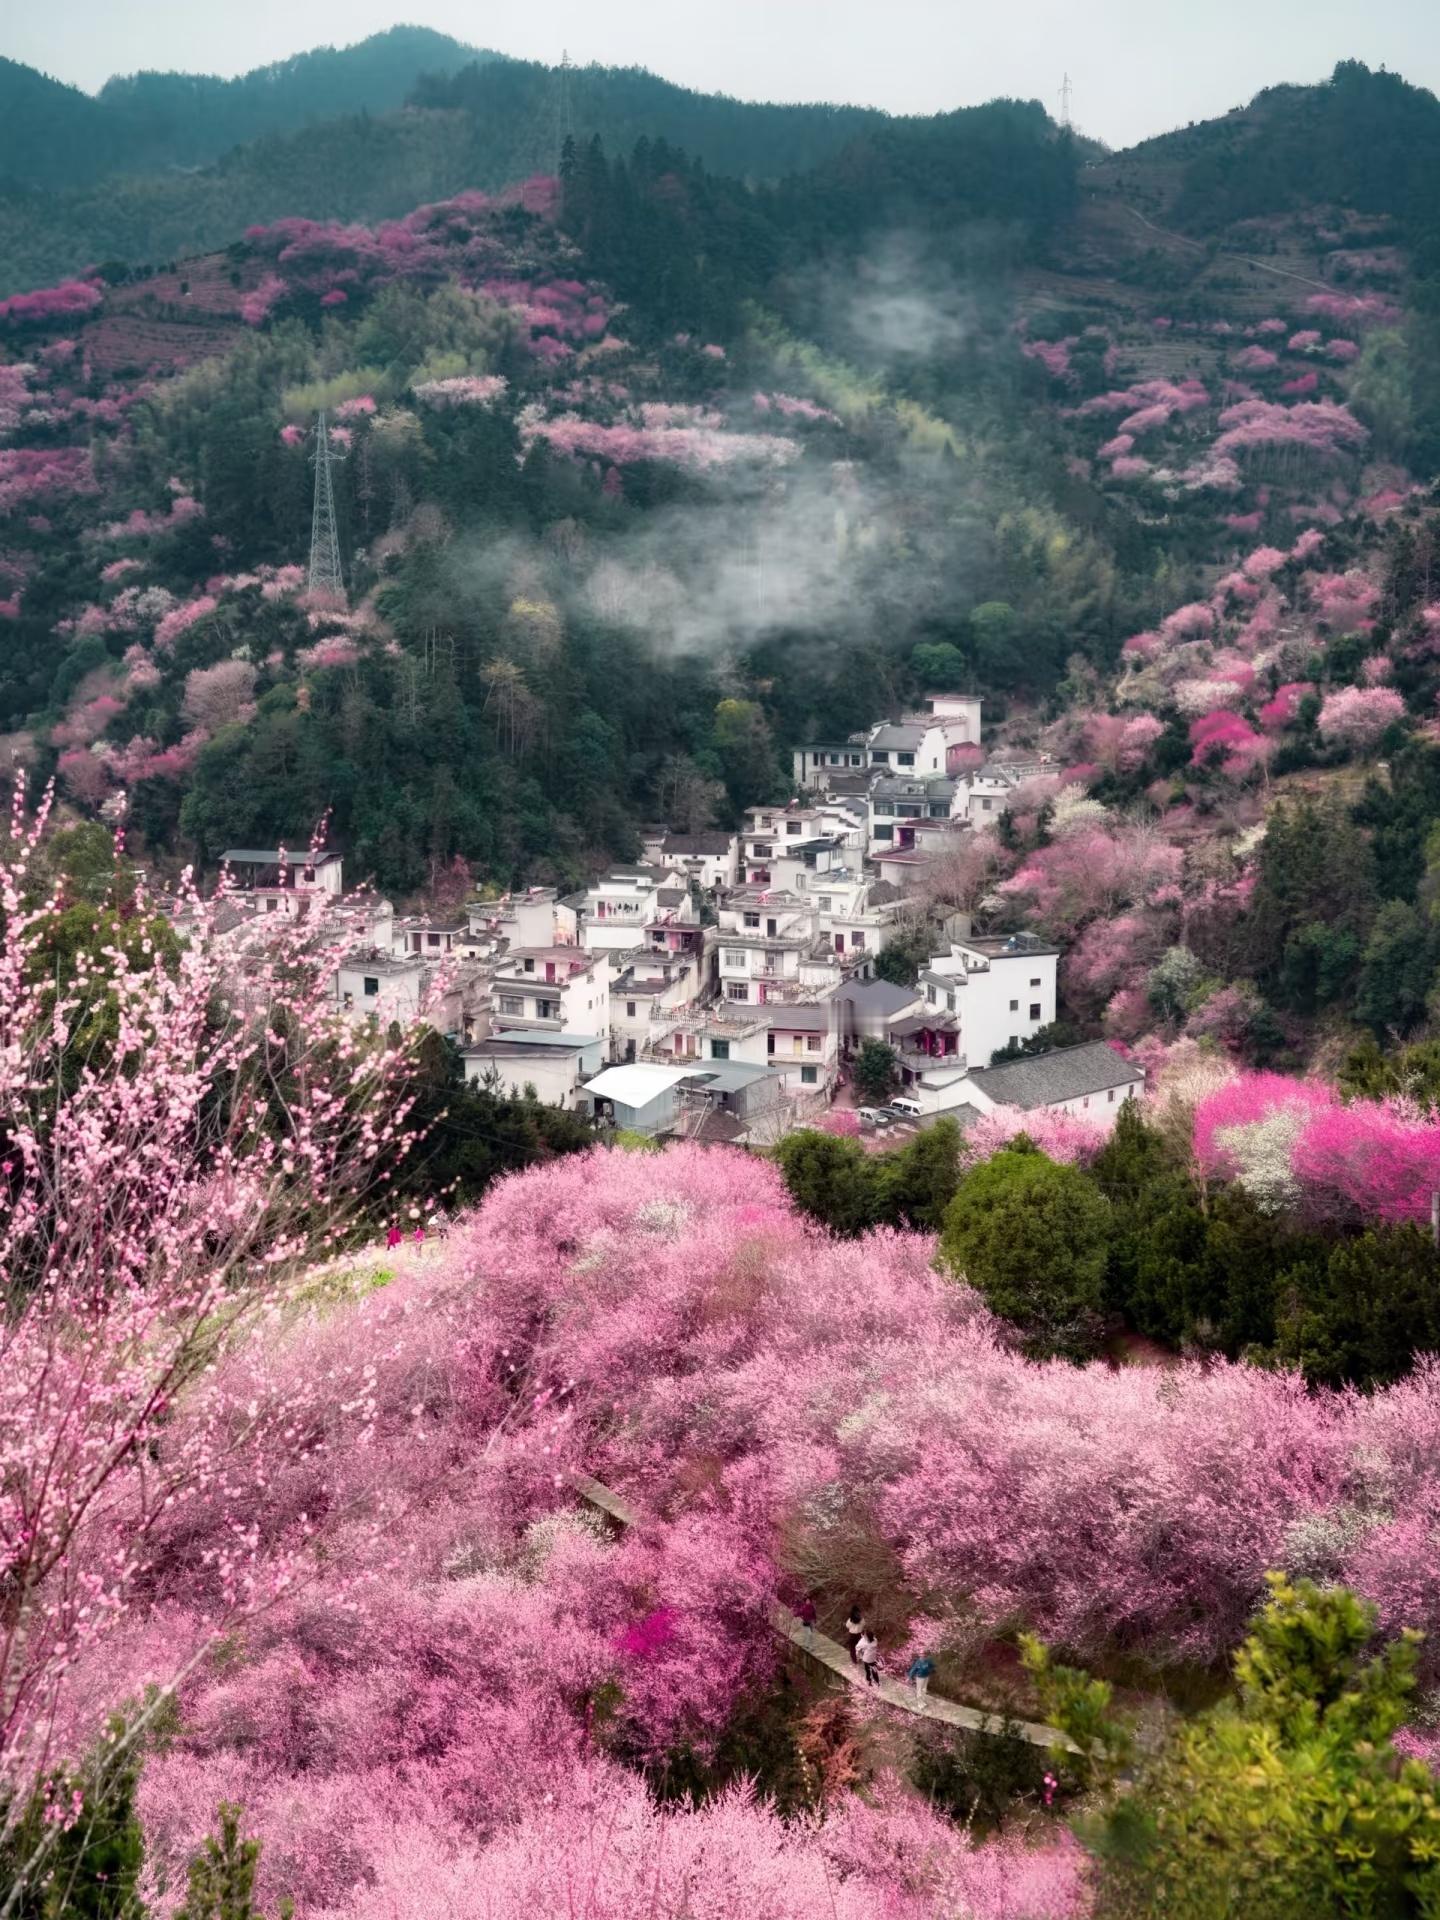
(907,1108)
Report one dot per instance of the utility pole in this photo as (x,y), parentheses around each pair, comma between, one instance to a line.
(326,578)
(1065,103)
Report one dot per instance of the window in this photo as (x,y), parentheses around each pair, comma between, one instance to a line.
(1014,1039)
(825,903)
(986,805)
(433,938)
(350,1002)
(906,759)
(735,957)
(809,1076)
(629,1009)
(529,967)
(792,826)
(511,1003)
(752,919)
(1034,1009)
(930,995)
(1111,1096)
(812,1043)
(1034,983)
(857,941)
(884,833)
(719,1049)
(1014,1006)
(736,990)
(769,1043)
(1086,1101)
(761,850)
(372,986)
(547,1009)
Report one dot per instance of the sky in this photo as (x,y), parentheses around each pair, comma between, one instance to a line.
(1136,67)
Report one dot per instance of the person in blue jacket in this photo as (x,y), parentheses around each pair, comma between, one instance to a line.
(920,1670)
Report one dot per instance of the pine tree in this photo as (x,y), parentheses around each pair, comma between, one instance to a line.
(222,1875)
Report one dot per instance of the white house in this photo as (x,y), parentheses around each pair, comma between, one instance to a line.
(384,986)
(619,907)
(803,1045)
(817,766)
(1091,1080)
(710,860)
(898,804)
(1000,987)
(434,937)
(651,986)
(959,710)
(556,1065)
(266,868)
(563,989)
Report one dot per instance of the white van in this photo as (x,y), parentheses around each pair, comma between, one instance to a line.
(902,1103)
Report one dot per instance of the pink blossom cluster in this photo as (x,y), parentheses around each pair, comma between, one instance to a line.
(180,619)
(1225,740)
(1183,396)
(1354,309)
(1053,355)
(140,525)
(1096,871)
(1343,602)
(52,303)
(28,474)
(794,407)
(256,304)
(700,448)
(1281,709)
(1321,427)
(157,1200)
(566,310)
(462,390)
(1255,360)
(1356,717)
(1296,1144)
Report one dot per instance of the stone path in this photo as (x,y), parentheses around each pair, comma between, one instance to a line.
(829,1653)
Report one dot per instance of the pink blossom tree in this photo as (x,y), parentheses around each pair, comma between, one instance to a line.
(1356,717)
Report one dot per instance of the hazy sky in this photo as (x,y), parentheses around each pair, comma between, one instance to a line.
(1137,66)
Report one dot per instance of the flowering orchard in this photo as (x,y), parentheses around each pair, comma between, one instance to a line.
(182,1128)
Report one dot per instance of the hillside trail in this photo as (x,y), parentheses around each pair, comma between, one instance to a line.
(829,1653)
(1198,246)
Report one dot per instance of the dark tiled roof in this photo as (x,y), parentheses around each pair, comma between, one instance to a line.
(711,845)
(878,996)
(1066,1073)
(805,1019)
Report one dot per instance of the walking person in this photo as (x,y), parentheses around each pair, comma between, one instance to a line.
(920,1670)
(867,1652)
(805,1614)
(418,1237)
(854,1627)
(393,1236)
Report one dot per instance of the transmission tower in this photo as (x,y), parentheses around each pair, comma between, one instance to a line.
(1065,101)
(561,128)
(325,575)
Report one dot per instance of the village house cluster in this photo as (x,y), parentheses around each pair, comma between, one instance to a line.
(719,988)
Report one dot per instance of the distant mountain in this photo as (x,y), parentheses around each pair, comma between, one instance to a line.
(1365,141)
(55,136)
(492,122)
